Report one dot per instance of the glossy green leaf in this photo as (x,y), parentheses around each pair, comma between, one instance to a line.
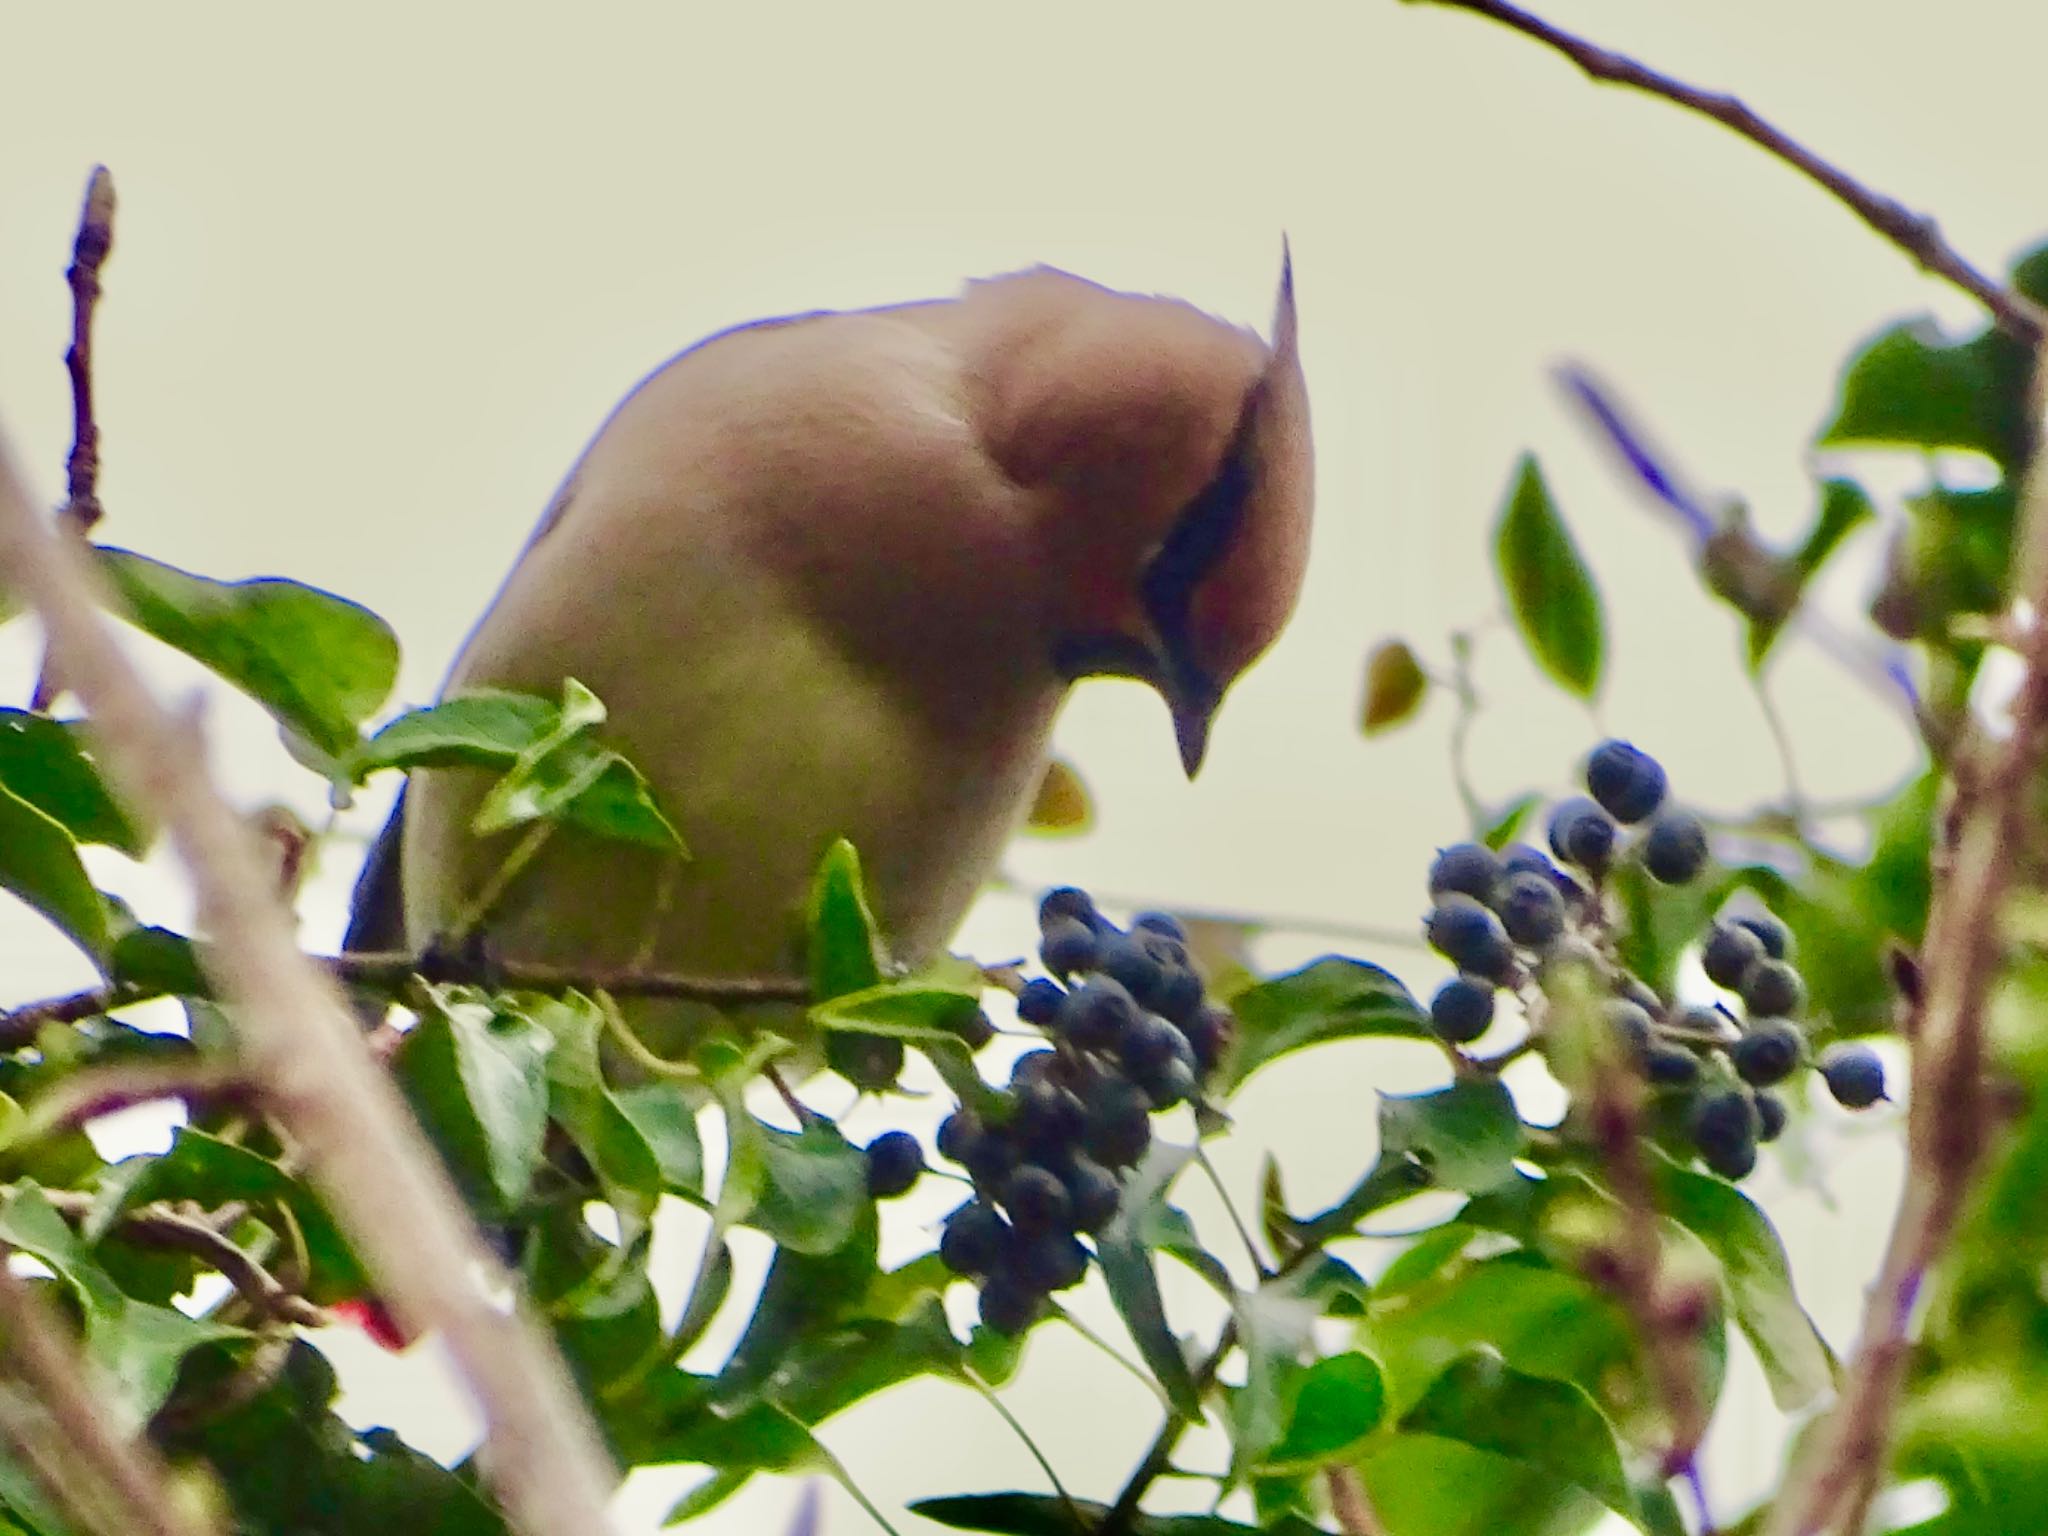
(1339,1403)
(584,1105)
(1127,1267)
(1913,387)
(667,1123)
(157,960)
(1395,686)
(1757,1278)
(1548,1426)
(567,776)
(39,863)
(318,663)
(599,1300)
(845,946)
(134,1347)
(481,729)
(477,1078)
(1507,821)
(804,1297)
(815,1190)
(49,764)
(1467,1135)
(1329,999)
(1550,591)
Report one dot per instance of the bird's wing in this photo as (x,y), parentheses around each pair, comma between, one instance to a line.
(376,918)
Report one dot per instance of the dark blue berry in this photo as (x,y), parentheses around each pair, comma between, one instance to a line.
(1771,1116)
(1035,1067)
(1470,937)
(1854,1075)
(1469,868)
(1049,1261)
(1180,993)
(1092,1193)
(1462,1009)
(1049,1119)
(1630,1021)
(1070,946)
(1675,847)
(1712,1023)
(1521,859)
(1767,1052)
(1531,909)
(973,1238)
(1040,1001)
(1126,958)
(872,1062)
(1627,781)
(1775,937)
(1007,1306)
(959,1134)
(1773,987)
(1673,1066)
(1169,1085)
(1583,835)
(1161,922)
(1730,953)
(894,1162)
(1067,903)
(1035,1198)
(1209,1033)
(1119,1122)
(1724,1128)
(1150,1043)
(1096,1014)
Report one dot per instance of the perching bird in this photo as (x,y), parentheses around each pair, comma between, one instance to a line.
(833,576)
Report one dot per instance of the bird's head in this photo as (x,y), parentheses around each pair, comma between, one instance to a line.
(1175,453)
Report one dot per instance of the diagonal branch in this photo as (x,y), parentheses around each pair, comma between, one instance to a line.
(301,1045)
(1913,233)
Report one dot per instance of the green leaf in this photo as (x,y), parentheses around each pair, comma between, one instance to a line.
(1045,1514)
(1912,387)
(1391,1180)
(567,777)
(1757,1277)
(845,949)
(318,663)
(804,1297)
(1340,1402)
(477,1078)
(1549,590)
(1329,999)
(1395,686)
(135,1347)
(583,1104)
(39,863)
(1467,1135)
(667,1123)
(213,1173)
(48,763)
(601,1303)
(1549,1426)
(157,960)
(1127,1267)
(1508,821)
(934,1010)
(816,1188)
(482,729)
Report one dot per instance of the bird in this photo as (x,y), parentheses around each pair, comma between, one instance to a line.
(832,576)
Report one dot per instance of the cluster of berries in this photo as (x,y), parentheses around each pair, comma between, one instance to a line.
(1130,1033)
(1498,916)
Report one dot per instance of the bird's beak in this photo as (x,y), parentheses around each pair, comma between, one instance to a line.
(1191,731)
(1191,699)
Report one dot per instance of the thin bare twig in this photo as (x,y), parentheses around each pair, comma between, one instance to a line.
(122,1085)
(89,250)
(39,1351)
(1349,1503)
(299,1041)
(1980,833)
(1915,234)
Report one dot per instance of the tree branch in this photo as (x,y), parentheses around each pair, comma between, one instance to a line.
(303,1047)
(1982,829)
(1913,233)
(128,1473)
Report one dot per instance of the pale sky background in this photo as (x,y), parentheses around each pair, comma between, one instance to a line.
(380,271)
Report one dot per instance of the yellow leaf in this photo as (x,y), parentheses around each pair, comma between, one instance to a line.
(1061,807)
(1394,687)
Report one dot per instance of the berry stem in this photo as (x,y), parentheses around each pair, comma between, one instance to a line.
(1244,1233)
(995,1401)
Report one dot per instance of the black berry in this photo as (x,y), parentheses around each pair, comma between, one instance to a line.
(1171,1084)
(1035,1198)
(1161,922)
(1092,1194)
(1767,1052)
(1521,859)
(1180,993)
(1462,1009)
(1119,1122)
(959,1134)
(1531,909)
(1039,1002)
(1049,1261)
(1630,1022)
(1210,1032)
(1583,835)
(1771,1116)
(973,1239)
(1049,1119)
(1126,958)
(1671,1065)
(1008,1306)
(1469,868)
(1773,987)
(1069,946)
(1724,1128)
(1675,847)
(1470,937)
(894,1162)
(872,1062)
(1775,937)
(1096,1014)
(1149,1044)
(1068,903)
(1854,1075)
(1731,951)
(1628,782)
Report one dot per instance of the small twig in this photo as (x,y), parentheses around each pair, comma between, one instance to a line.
(995,1401)
(298,1039)
(39,1350)
(1244,1233)
(1466,693)
(1979,835)
(82,511)
(1349,1503)
(122,1085)
(1915,234)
